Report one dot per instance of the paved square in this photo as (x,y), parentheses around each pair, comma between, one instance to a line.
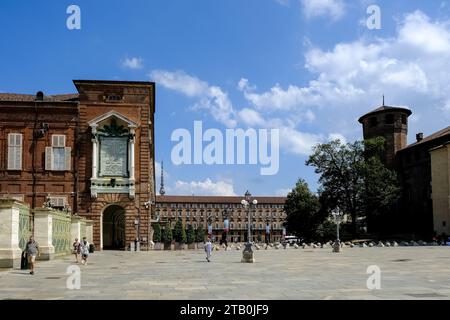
(406,273)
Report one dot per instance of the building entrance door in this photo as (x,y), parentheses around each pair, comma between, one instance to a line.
(114,228)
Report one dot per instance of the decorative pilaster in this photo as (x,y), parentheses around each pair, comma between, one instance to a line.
(94,153)
(132,161)
(90,231)
(43,229)
(132,148)
(75,229)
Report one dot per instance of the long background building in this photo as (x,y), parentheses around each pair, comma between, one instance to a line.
(205,210)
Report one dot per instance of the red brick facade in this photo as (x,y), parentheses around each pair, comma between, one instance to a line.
(38,119)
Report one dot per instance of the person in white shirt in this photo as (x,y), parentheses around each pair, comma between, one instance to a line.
(208,249)
(84,251)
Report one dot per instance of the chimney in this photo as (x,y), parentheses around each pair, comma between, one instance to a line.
(419,137)
(39,96)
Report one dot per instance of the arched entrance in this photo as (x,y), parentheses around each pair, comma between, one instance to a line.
(114,228)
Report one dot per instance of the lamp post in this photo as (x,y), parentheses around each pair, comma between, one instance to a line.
(226,224)
(337,216)
(137,239)
(247,254)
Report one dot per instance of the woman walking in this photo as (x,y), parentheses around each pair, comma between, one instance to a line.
(76,249)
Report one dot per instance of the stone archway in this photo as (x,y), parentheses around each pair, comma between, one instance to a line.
(113,228)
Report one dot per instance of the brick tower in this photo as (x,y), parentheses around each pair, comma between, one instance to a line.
(391,123)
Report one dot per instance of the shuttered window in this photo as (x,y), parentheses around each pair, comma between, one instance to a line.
(58,202)
(15,151)
(58,156)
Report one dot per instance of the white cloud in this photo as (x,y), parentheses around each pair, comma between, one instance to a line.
(210,98)
(423,35)
(411,68)
(251,117)
(132,63)
(337,136)
(334,9)
(297,142)
(207,187)
(181,82)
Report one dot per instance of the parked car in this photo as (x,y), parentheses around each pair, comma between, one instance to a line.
(291,240)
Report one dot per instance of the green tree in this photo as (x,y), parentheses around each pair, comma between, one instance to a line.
(200,233)
(326,231)
(353,178)
(303,211)
(167,235)
(190,235)
(179,234)
(156,233)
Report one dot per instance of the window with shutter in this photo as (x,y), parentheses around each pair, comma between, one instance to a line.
(58,156)
(58,202)
(15,151)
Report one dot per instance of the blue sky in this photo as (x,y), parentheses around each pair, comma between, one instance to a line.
(309,68)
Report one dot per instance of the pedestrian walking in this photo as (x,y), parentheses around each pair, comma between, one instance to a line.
(84,251)
(76,249)
(208,249)
(32,250)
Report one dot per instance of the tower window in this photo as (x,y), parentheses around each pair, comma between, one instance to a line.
(404,119)
(389,119)
(373,122)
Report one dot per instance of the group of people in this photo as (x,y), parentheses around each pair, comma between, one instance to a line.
(81,248)
(31,252)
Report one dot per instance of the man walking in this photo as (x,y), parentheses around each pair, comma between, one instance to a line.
(32,250)
(208,248)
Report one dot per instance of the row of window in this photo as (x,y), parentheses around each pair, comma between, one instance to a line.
(57,202)
(239,226)
(57,156)
(215,206)
(239,214)
(388,119)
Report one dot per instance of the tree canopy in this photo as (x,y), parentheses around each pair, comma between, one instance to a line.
(353,177)
(302,210)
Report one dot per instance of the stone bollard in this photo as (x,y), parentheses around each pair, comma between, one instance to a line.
(295,246)
(352,245)
(381,245)
(337,247)
(394,244)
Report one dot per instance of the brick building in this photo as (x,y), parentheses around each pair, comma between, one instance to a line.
(416,214)
(91,153)
(213,210)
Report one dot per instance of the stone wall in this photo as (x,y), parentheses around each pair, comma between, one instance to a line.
(53,230)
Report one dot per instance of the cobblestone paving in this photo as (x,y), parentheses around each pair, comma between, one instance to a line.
(406,273)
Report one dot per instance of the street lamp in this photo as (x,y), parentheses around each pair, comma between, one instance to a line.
(226,214)
(337,216)
(247,254)
(137,239)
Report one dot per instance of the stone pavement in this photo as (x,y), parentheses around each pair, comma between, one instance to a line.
(406,273)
